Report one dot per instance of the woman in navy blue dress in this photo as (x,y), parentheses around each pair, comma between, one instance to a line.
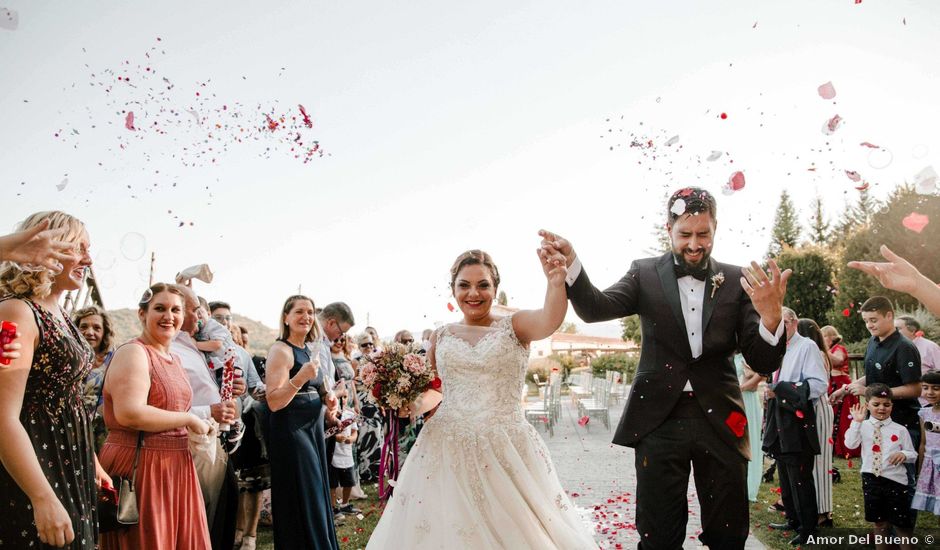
(300,494)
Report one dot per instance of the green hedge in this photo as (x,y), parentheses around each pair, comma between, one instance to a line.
(624,363)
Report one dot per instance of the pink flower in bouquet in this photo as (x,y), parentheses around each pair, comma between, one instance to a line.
(414,363)
(368,374)
(404,383)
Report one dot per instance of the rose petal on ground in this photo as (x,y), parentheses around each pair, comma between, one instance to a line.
(129,121)
(926,180)
(853,175)
(827,90)
(584,420)
(915,222)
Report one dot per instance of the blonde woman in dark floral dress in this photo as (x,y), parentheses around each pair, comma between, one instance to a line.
(49,470)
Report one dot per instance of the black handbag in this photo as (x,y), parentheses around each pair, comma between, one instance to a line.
(117,506)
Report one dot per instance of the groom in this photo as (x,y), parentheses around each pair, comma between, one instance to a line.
(685,407)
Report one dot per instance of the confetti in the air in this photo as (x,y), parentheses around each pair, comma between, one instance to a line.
(678,207)
(583,421)
(735,183)
(926,181)
(714,156)
(869,145)
(63,184)
(864,186)
(723,116)
(827,90)
(450,307)
(129,121)
(832,125)
(672,141)
(915,222)
(9,19)
(853,175)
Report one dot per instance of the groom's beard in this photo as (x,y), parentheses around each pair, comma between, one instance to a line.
(701,264)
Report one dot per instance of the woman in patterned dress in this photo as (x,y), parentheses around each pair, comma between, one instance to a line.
(95,326)
(49,470)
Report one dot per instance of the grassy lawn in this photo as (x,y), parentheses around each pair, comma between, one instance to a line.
(353,534)
(847,503)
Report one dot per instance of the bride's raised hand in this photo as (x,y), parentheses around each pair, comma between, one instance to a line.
(554,268)
(554,246)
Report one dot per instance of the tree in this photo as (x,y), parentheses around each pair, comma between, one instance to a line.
(631,329)
(663,243)
(860,214)
(568,328)
(819,228)
(786,231)
(886,227)
(502,299)
(810,289)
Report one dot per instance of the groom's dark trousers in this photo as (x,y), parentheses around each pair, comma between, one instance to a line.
(673,431)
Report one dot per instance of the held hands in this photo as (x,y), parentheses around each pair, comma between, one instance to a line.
(52,521)
(766,292)
(554,267)
(554,248)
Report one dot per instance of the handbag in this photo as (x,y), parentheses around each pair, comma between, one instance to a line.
(117,506)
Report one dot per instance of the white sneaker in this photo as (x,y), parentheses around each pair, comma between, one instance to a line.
(248,543)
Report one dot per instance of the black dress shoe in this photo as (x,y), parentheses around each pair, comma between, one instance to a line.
(826,523)
(785,526)
(801,539)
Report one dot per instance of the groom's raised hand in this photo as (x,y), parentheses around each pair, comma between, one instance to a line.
(766,292)
(555,245)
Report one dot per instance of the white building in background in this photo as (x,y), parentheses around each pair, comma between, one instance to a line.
(562,343)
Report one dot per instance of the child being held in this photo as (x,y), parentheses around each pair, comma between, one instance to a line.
(886,446)
(213,339)
(927,493)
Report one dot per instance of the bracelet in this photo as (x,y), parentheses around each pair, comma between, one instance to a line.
(291,382)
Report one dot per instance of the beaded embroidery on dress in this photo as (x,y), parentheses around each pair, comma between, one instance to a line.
(479,475)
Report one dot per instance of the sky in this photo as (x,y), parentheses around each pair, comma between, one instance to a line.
(441,127)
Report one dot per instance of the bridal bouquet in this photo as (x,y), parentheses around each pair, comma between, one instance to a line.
(397,375)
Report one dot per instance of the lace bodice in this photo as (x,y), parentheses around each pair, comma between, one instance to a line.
(483,374)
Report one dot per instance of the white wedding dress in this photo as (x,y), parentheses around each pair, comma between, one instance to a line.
(479,475)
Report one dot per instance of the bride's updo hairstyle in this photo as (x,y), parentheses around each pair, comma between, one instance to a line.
(474,257)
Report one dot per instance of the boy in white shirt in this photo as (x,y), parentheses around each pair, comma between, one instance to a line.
(342,463)
(886,446)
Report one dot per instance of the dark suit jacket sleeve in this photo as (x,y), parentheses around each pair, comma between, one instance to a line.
(618,300)
(792,397)
(760,356)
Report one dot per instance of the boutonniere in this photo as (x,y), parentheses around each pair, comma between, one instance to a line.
(717,280)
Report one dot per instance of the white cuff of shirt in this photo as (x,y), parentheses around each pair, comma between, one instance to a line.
(771,339)
(202,411)
(573,271)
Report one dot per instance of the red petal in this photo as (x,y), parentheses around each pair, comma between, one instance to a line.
(129,121)
(915,222)
(875,448)
(736,181)
(894,437)
(846,312)
(827,90)
(799,414)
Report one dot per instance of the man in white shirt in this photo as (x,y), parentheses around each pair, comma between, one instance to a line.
(219,485)
(685,408)
(790,434)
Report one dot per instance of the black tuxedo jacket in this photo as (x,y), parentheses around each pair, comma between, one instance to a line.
(729,321)
(791,421)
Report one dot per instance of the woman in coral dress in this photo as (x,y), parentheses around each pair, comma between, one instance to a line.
(146,390)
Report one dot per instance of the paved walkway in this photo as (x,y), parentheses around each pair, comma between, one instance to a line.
(601,479)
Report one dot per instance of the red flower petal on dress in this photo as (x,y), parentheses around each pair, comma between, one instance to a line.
(915,222)
(129,121)
(827,90)
(876,448)
(737,422)
(799,414)
(894,437)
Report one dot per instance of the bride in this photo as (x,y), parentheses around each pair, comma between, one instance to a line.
(479,475)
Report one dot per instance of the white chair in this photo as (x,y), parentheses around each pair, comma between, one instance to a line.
(599,404)
(540,411)
(583,389)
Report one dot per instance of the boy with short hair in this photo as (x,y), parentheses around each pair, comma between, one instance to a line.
(886,446)
(342,463)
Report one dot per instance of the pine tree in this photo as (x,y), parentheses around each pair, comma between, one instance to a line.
(820,227)
(859,214)
(786,231)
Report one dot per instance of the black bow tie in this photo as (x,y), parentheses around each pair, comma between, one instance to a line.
(682,270)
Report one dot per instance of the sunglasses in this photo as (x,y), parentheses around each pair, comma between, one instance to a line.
(340,340)
(367,345)
(407,341)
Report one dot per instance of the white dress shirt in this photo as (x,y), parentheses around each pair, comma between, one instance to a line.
(803,362)
(894,438)
(205,390)
(692,298)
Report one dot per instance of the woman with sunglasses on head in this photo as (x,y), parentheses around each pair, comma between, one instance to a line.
(49,470)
